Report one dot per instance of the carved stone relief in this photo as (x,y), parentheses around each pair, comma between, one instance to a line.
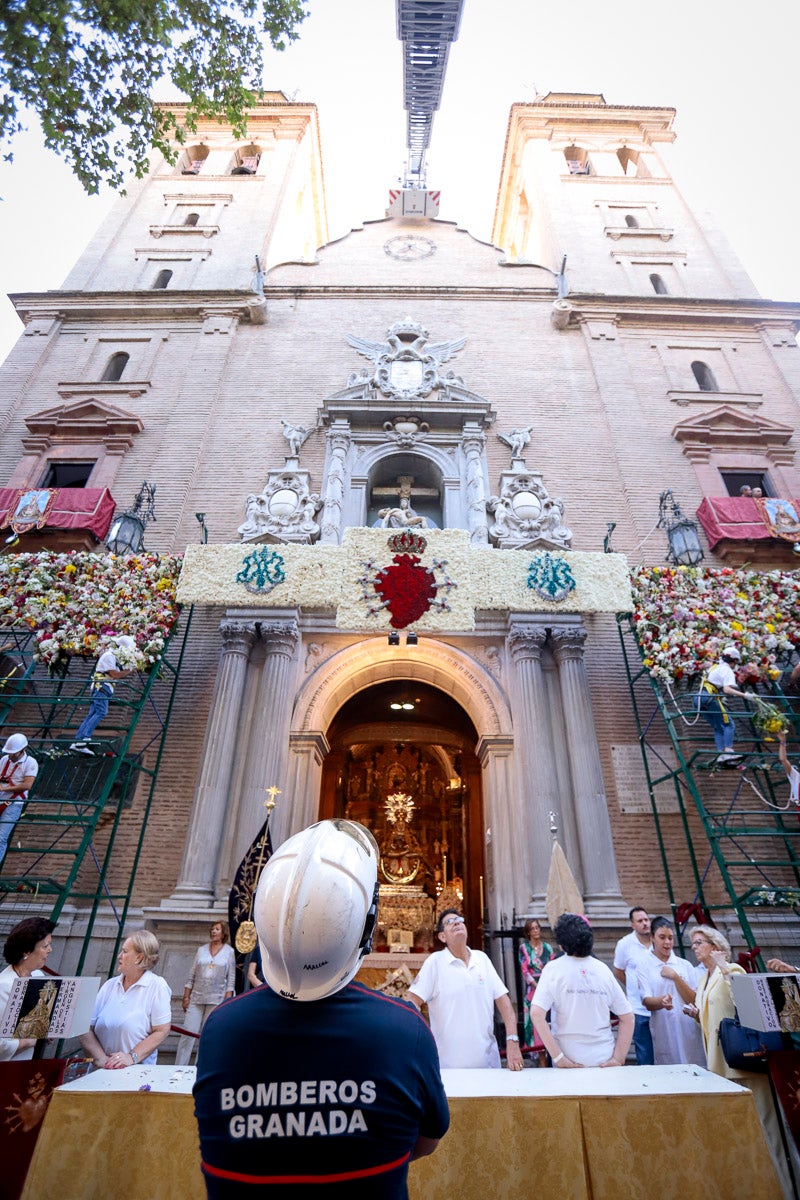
(526,516)
(284,511)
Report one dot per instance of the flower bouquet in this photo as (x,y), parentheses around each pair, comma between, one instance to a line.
(769,721)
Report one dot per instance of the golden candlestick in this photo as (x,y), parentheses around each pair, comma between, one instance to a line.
(444,870)
(483,907)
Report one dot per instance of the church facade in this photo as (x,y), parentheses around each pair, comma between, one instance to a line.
(409,446)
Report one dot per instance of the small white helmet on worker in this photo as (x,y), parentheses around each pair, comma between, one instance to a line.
(15,743)
(315,909)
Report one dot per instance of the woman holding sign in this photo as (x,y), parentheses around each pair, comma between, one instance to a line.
(26,950)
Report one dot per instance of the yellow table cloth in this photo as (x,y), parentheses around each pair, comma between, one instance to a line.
(555,1135)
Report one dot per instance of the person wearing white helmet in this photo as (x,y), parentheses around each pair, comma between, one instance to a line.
(313,1081)
(102,688)
(719,682)
(18,769)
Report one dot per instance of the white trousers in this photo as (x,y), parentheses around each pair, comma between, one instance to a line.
(194,1019)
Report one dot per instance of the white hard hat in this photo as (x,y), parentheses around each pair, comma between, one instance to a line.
(731,652)
(315,909)
(16,742)
(124,640)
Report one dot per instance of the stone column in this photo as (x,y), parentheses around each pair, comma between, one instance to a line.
(336,479)
(598,862)
(473,443)
(199,866)
(501,875)
(307,753)
(269,736)
(537,778)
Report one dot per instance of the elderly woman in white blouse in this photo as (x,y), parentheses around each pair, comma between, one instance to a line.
(133,1010)
(210,982)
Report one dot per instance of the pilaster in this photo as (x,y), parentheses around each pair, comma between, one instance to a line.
(198,868)
(591,809)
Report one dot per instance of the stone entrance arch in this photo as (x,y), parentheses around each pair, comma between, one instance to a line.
(449,669)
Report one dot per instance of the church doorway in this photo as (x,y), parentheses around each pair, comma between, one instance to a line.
(402,762)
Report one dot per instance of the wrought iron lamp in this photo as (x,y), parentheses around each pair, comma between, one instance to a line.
(683,540)
(126,535)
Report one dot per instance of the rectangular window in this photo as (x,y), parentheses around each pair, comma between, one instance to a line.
(66,474)
(735,480)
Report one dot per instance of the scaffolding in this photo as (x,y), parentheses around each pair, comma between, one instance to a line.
(65,847)
(741,831)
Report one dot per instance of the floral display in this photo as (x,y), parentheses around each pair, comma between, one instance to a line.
(330,577)
(684,616)
(769,721)
(73,600)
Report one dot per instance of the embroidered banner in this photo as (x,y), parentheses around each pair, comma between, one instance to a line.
(779,516)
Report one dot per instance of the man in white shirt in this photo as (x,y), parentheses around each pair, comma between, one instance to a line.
(462,988)
(632,956)
(107,670)
(718,683)
(17,773)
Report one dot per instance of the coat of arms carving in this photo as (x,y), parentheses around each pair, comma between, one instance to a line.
(406,365)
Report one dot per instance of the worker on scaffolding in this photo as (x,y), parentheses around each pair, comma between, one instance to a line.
(719,682)
(108,669)
(17,773)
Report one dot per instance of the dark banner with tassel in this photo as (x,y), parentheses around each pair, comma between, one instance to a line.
(244,938)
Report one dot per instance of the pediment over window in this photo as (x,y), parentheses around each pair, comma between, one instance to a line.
(85,420)
(730,428)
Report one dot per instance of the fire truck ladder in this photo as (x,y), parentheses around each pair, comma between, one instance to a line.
(427,29)
(747,828)
(62,847)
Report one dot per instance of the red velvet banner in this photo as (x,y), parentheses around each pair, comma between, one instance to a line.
(733,517)
(69,508)
(25,1090)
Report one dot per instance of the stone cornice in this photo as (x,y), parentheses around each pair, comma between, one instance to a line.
(142,306)
(672,311)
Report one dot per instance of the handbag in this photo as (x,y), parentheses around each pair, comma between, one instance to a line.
(746,1049)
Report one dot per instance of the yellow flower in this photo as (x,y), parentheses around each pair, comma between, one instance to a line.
(738,626)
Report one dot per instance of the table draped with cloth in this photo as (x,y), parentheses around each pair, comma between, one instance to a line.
(583,1134)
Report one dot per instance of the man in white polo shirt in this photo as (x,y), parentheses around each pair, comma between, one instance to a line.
(633,954)
(461,989)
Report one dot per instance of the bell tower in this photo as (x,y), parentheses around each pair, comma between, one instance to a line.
(225,212)
(590,180)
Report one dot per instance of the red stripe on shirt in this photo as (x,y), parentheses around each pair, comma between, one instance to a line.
(342,1177)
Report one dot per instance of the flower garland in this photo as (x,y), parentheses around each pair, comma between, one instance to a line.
(684,616)
(73,600)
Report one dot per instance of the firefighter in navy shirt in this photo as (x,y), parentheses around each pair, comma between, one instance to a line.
(312,1080)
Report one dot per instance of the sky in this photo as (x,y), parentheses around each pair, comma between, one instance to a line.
(728,70)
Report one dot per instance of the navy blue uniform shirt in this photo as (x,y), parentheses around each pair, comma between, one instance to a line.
(328,1095)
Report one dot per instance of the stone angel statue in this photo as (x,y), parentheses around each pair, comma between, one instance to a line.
(295,436)
(517,440)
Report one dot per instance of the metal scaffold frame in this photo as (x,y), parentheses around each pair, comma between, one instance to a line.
(746,831)
(63,847)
